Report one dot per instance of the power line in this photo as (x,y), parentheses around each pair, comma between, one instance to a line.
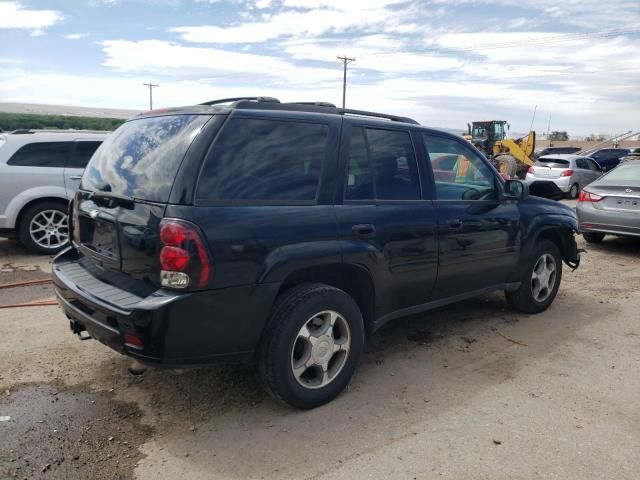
(345,61)
(151,86)
(523,42)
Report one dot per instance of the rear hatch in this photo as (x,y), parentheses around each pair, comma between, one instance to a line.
(548,168)
(124,192)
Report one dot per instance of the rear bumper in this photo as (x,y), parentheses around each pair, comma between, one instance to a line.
(608,221)
(176,329)
(563,183)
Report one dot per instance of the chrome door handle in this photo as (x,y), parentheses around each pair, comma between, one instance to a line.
(75,177)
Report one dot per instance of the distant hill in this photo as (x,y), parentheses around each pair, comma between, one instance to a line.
(45,109)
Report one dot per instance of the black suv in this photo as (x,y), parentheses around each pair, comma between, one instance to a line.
(284,233)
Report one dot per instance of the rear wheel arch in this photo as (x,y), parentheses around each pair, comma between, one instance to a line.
(354,280)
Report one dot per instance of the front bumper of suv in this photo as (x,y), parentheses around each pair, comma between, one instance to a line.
(172,328)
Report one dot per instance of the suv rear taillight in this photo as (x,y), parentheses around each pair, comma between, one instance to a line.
(184,259)
(566,173)
(589,197)
(531,170)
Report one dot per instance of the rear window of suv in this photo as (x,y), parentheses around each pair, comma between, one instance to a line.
(264,160)
(552,162)
(141,158)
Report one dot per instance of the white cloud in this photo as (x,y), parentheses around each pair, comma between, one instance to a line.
(76,36)
(13,15)
(166,58)
(316,18)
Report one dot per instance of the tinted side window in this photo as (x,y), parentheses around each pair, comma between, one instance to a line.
(394,165)
(460,174)
(84,151)
(582,163)
(42,154)
(265,160)
(359,181)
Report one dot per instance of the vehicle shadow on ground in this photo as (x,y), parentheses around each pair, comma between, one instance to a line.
(619,246)
(412,369)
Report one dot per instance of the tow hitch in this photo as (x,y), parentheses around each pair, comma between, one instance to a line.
(78,329)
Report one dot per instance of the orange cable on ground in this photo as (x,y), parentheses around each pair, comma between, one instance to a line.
(42,303)
(28,283)
(25,283)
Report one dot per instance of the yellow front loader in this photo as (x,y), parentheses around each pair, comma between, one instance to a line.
(512,157)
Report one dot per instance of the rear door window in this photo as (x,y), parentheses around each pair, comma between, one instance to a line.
(82,154)
(141,158)
(359,181)
(265,160)
(394,164)
(381,165)
(42,154)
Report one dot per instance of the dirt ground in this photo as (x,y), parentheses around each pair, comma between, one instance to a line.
(469,391)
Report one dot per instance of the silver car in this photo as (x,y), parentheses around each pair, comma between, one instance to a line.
(611,205)
(39,172)
(571,173)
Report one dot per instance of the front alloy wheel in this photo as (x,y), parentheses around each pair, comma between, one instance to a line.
(539,280)
(543,278)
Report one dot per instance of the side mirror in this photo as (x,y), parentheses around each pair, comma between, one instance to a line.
(516,190)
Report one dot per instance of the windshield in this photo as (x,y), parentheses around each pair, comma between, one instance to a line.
(623,175)
(141,158)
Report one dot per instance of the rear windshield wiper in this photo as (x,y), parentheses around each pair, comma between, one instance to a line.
(113,198)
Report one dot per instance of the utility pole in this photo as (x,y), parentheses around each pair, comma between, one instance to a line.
(151,85)
(345,61)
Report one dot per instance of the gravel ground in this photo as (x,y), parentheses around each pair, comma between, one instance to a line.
(469,391)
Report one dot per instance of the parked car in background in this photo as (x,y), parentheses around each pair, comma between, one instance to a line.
(40,171)
(571,173)
(554,150)
(611,204)
(609,158)
(634,155)
(281,234)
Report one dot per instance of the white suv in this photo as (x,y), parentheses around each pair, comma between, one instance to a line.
(40,171)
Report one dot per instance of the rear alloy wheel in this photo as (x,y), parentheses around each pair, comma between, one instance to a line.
(573,191)
(540,280)
(321,349)
(593,237)
(311,345)
(44,228)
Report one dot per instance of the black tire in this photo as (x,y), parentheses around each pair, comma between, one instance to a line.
(507,164)
(524,299)
(593,237)
(275,354)
(26,219)
(574,191)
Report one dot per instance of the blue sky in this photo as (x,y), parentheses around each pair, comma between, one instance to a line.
(442,62)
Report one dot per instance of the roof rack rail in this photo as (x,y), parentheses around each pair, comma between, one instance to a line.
(21,131)
(364,113)
(238,99)
(314,104)
(269,103)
